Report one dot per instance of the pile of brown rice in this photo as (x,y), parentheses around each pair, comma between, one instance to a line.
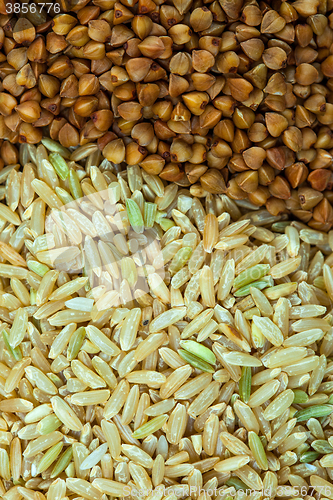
(156,345)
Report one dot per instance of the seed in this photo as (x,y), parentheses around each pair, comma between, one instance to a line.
(231,464)
(140,310)
(246,290)
(48,424)
(199,350)
(115,151)
(150,427)
(59,165)
(245,384)
(240,88)
(251,274)
(313,412)
(220,99)
(300,397)
(201,19)
(49,457)
(236,483)
(65,413)
(16,352)
(195,361)
(308,457)
(99,30)
(135,216)
(322,446)
(75,343)
(62,462)
(29,111)
(258,451)
(55,147)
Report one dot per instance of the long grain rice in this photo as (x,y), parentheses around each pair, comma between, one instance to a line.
(151,339)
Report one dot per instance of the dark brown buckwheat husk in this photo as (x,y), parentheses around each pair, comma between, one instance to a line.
(222,97)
